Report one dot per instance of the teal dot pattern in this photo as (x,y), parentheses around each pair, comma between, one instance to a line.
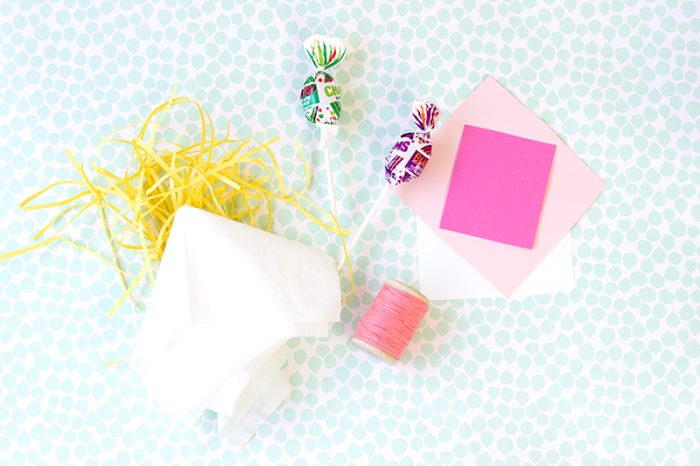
(604,375)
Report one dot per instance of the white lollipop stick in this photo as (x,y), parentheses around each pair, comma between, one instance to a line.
(328,133)
(365,223)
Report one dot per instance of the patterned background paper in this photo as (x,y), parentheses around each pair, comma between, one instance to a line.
(606,374)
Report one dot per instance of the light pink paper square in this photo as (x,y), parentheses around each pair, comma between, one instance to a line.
(572,186)
(497,186)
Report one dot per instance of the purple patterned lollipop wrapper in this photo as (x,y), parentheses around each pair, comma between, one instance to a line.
(411,153)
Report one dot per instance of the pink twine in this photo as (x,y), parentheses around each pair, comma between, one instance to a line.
(391,320)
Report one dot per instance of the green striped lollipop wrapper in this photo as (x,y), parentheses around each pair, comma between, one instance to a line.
(320,96)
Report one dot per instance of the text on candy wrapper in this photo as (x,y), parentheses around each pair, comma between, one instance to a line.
(401,145)
(332,91)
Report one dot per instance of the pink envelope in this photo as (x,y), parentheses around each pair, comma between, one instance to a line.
(572,186)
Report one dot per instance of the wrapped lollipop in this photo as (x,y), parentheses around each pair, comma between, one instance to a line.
(406,160)
(320,96)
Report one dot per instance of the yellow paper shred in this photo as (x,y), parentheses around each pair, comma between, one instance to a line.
(236,178)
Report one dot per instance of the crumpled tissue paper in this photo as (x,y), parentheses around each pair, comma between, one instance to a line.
(226,298)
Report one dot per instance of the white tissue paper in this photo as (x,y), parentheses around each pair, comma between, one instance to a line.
(226,298)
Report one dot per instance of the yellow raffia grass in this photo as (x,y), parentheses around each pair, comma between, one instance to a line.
(235,178)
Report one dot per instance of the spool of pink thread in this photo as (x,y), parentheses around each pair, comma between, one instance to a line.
(388,325)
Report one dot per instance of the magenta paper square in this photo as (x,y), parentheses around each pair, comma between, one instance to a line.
(497,186)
